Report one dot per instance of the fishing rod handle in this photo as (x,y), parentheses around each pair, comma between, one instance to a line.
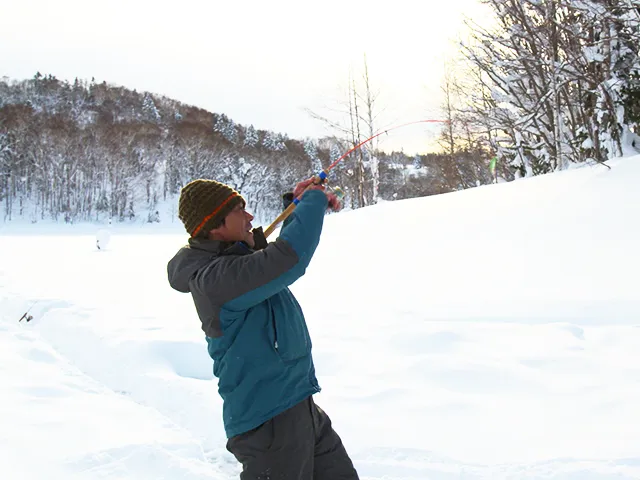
(318,180)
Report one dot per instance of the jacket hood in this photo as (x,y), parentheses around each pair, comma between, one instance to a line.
(189,259)
(196,255)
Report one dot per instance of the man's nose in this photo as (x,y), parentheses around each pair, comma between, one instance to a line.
(249,215)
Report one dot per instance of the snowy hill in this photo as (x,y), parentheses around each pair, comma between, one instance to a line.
(486,334)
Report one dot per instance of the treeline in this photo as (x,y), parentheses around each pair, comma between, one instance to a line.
(87,151)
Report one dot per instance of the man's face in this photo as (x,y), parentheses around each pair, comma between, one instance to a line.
(237,227)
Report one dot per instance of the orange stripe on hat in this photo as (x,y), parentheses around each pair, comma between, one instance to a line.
(212,214)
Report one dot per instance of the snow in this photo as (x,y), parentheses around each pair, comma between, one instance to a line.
(103,237)
(485,334)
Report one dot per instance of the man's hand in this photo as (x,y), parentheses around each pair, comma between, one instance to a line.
(260,241)
(334,202)
(302,186)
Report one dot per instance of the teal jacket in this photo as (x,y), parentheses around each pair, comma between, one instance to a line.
(255,330)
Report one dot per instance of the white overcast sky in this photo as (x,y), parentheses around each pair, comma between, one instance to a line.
(259,62)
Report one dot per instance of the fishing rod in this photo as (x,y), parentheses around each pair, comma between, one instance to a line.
(25,315)
(321,177)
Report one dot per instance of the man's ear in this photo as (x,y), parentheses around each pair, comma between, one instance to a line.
(214,232)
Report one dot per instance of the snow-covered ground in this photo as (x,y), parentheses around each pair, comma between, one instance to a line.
(487,334)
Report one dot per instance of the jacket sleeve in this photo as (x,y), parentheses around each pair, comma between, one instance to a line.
(241,282)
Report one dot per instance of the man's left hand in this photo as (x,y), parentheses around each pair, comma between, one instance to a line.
(259,239)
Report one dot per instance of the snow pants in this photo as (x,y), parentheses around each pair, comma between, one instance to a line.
(297,444)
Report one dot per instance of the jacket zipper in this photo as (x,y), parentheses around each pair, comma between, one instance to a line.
(275,331)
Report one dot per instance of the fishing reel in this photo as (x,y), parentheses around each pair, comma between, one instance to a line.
(337,191)
(321,179)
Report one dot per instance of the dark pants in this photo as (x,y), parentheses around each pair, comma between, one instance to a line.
(298,444)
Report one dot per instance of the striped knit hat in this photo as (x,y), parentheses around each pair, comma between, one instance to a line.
(204,204)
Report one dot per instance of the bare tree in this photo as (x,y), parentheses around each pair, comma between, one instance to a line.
(357,114)
(370,117)
(354,120)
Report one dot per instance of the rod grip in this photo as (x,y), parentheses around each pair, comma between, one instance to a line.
(320,178)
(281,218)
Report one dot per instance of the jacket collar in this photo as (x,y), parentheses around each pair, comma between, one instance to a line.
(219,247)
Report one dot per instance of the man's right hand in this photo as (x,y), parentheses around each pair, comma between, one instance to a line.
(301,187)
(334,202)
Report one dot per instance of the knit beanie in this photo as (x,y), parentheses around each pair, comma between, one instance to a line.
(204,204)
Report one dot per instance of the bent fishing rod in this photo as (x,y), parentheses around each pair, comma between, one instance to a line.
(321,177)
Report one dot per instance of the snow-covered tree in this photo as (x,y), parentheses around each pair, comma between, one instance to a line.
(149,108)
(5,168)
(274,141)
(553,74)
(335,152)
(251,137)
(311,149)
(227,127)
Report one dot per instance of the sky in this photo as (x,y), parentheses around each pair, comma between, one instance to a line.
(503,347)
(260,63)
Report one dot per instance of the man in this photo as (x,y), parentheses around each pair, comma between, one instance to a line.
(255,330)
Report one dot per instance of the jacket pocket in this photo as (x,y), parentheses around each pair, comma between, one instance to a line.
(291,334)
